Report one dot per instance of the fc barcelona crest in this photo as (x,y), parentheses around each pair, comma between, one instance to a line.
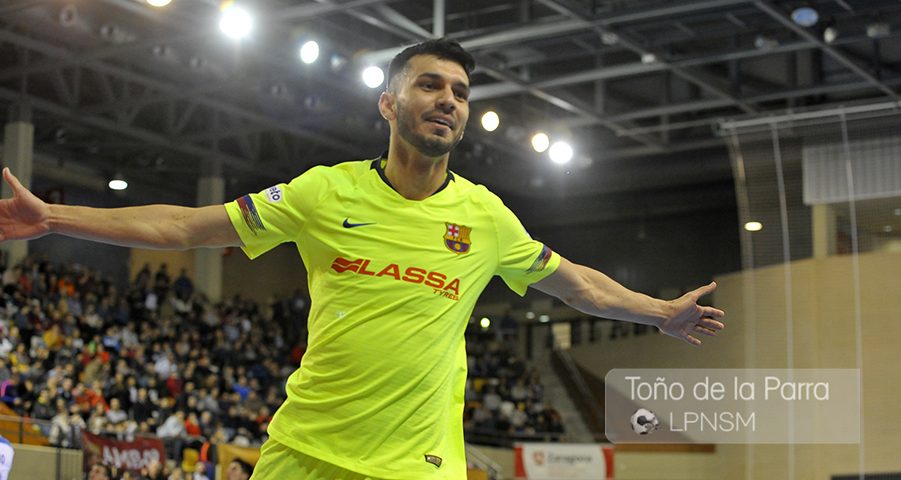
(456,239)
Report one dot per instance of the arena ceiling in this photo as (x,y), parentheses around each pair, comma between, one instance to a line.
(638,87)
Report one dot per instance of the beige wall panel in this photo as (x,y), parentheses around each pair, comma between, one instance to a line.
(824,330)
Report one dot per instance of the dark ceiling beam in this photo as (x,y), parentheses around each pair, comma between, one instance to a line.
(500,89)
(310,10)
(150,137)
(18,6)
(780,17)
(681,72)
(276,59)
(542,28)
(712,104)
(568,104)
(176,91)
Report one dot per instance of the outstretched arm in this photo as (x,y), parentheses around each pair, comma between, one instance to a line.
(594,293)
(25,216)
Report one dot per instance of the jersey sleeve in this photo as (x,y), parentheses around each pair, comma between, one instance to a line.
(522,260)
(278,214)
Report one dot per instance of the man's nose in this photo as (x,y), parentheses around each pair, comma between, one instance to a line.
(446,101)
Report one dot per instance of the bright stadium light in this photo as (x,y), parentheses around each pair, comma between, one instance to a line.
(309,52)
(118,182)
(561,153)
(485,322)
(373,77)
(540,142)
(159,3)
(490,121)
(753,226)
(235,21)
(805,16)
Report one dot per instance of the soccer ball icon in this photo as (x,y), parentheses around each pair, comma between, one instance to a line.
(644,421)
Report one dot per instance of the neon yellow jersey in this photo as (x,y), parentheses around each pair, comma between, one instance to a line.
(393,283)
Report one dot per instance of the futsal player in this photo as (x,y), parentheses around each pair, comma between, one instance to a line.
(397,250)
(6,458)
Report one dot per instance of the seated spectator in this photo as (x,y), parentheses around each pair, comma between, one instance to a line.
(41,409)
(200,471)
(238,470)
(99,471)
(60,428)
(115,415)
(173,426)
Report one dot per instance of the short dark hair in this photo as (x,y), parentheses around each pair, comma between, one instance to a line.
(439,47)
(245,467)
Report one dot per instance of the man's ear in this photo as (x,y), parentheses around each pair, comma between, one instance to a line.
(388,106)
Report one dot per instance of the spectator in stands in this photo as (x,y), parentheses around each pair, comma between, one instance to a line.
(42,409)
(172,427)
(200,471)
(97,422)
(60,429)
(153,471)
(183,285)
(161,281)
(116,415)
(5,372)
(99,471)
(238,470)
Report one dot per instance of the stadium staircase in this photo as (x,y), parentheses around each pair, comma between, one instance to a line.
(556,393)
(482,467)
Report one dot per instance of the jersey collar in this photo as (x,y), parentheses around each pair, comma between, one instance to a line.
(378,165)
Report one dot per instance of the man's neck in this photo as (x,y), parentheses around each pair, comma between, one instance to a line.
(414,176)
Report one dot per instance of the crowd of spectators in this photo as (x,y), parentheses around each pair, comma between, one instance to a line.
(159,359)
(156,359)
(505,398)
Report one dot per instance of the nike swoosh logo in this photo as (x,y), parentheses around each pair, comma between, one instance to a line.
(347,224)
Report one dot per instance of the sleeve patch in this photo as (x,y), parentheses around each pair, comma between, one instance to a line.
(251,216)
(541,261)
(274,194)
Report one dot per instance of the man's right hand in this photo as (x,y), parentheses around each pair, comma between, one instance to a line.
(24,216)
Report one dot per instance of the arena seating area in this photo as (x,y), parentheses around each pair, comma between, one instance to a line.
(504,397)
(159,359)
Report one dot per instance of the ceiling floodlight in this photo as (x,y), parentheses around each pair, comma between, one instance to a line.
(561,153)
(235,21)
(485,322)
(118,182)
(765,42)
(309,52)
(805,16)
(609,38)
(878,30)
(373,77)
(753,226)
(490,121)
(540,142)
(158,3)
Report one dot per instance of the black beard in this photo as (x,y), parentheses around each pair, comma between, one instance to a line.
(428,146)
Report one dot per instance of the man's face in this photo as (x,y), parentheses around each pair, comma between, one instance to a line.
(98,473)
(430,104)
(234,472)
